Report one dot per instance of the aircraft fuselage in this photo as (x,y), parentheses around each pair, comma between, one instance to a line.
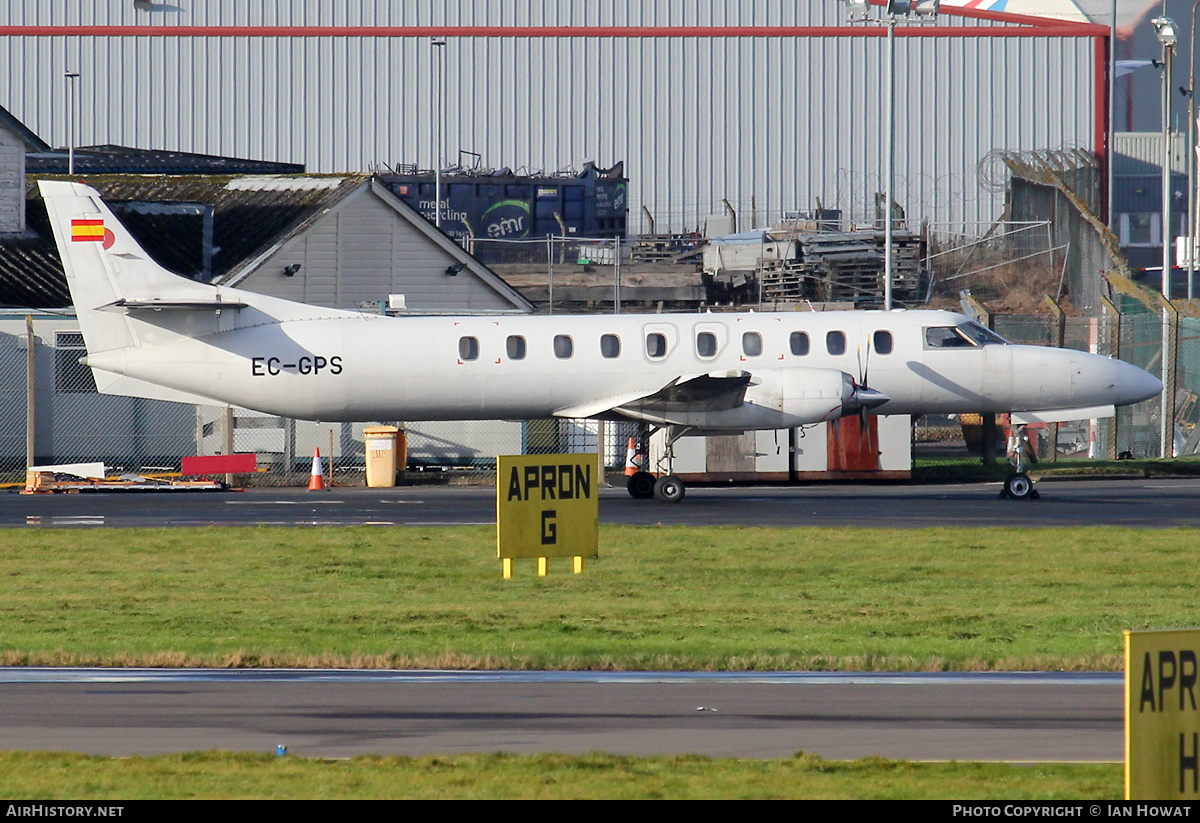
(350,367)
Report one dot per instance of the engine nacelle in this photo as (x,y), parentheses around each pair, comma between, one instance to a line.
(812,395)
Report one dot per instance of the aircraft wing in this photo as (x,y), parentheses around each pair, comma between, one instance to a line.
(717,391)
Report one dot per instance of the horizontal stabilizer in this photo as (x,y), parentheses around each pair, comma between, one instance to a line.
(109,383)
(1063,415)
(177,305)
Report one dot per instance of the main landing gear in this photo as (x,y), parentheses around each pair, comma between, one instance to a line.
(1018,486)
(666,488)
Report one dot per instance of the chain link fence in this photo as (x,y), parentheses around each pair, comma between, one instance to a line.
(1015,260)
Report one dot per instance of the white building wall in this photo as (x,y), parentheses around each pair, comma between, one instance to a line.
(769,123)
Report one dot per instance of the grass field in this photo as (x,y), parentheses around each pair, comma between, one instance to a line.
(657,598)
(548,776)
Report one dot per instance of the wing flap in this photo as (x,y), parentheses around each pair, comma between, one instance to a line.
(717,391)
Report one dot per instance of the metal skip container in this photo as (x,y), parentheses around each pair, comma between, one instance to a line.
(386,449)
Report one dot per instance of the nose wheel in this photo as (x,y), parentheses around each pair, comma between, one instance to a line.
(1019,486)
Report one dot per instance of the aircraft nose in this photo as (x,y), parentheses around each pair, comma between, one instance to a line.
(1132,384)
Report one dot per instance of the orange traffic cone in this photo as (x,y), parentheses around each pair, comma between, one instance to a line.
(630,459)
(316,482)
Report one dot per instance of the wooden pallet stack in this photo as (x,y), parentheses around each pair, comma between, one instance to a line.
(845,266)
(663,247)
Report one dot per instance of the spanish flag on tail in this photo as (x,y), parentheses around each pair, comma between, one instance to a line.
(87,231)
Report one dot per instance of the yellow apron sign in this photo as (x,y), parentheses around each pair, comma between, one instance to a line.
(547,505)
(1162,718)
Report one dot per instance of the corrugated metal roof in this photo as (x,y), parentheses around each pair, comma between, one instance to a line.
(245,222)
(126,160)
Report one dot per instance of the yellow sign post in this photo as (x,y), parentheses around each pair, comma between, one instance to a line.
(547,505)
(1162,721)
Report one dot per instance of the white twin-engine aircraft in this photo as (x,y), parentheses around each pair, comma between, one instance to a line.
(151,333)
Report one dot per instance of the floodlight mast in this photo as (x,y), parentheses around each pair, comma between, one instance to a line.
(1190,93)
(1165,31)
(924,11)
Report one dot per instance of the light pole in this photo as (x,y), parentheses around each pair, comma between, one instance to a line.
(890,166)
(1164,29)
(1193,224)
(924,11)
(72,123)
(438,99)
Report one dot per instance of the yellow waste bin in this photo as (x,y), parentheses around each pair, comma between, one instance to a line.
(385,451)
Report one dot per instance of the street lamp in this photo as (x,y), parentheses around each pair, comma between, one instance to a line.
(1193,226)
(925,11)
(439,101)
(1164,30)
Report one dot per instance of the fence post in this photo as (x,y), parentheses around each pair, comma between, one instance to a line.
(550,270)
(30,385)
(1060,334)
(617,276)
(1114,349)
(228,434)
(1170,335)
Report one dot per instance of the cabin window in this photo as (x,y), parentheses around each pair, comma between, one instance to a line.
(564,346)
(656,345)
(883,342)
(706,344)
(752,344)
(468,348)
(610,346)
(799,343)
(515,346)
(835,342)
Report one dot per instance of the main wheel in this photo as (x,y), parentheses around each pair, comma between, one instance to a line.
(1018,487)
(669,489)
(641,486)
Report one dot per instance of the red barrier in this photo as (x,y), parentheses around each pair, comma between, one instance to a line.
(220,464)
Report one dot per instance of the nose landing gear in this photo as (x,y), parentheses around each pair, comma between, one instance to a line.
(1018,486)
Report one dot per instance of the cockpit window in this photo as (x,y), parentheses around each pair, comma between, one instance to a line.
(964,336)
(946,337)
(981,334)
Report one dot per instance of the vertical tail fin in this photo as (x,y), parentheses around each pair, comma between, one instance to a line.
(104,264)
